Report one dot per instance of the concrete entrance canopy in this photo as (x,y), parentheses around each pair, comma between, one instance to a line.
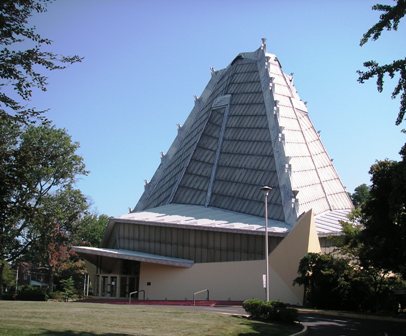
(133,255)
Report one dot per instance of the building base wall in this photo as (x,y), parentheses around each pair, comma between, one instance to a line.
(235,281)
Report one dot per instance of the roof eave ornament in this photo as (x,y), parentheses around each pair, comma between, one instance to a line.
(263,44)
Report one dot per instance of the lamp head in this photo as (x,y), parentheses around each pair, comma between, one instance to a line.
(266,190)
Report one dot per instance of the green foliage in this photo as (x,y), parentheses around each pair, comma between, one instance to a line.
(68,289)
(360,195)
(325,280)
(57,296)
(38,165)
(74,268)
(374,239)
(349,244)
(273,311)
(332,282)
(388,20)
(8,275)
(254,307)
(8,296)
(384,218)
(38,204)
(22,57)
(28,293)
(54,226)
(91,229)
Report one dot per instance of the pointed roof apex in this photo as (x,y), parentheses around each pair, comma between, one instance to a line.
(249,128)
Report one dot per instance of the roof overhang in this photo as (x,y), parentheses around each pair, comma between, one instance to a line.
(329,223)
(195,217)
(133,255)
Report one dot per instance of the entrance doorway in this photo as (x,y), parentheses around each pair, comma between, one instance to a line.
(116,279)
(116,286)
(128,284)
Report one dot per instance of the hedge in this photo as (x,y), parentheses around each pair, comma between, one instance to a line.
(274,311)
(28,293)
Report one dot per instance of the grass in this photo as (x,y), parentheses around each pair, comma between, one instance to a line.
(74,318)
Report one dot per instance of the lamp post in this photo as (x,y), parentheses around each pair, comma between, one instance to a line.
(266,190)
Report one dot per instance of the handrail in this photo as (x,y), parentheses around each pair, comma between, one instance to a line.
(135,292)
(199,292)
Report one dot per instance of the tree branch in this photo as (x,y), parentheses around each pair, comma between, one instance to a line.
(389,20)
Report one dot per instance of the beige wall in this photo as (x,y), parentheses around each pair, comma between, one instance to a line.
(225,280)
(236,280)
(284,260)
(241,279)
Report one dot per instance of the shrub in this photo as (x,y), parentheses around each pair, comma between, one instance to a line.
(28,293)
(68,289)
(254,307)
(274,311)
(8,296)
(57,296)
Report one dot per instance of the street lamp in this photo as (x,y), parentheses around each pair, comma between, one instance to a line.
(266,190)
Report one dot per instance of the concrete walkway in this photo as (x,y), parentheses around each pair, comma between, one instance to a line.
(351,315)
(335,323)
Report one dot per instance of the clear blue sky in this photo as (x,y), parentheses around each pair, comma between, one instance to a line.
(144,61)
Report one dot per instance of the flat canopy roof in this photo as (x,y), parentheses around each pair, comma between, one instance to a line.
(199,217)
(195,216)
(133,255)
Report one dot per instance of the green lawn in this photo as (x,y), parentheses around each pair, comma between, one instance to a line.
(74,318)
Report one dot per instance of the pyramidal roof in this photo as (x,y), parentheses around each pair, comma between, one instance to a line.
(249,128)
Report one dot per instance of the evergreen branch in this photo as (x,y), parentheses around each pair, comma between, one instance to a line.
(397,67)
(388,20)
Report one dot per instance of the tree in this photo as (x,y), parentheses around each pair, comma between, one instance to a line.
(91,229)
(9,276)
(38,165)
(57,220)
(384,217)
(388,20)
(68,288)
(22,58)
(325,279)
(360,195)
(372,287)
(334,282)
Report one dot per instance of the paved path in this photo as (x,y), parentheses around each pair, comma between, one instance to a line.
(325,325)
(334,324)
(329,323)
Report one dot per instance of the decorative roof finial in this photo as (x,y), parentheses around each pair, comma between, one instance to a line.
(263,43)
(212,70)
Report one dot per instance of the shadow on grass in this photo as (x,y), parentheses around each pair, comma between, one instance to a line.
(79,333)
(262,328)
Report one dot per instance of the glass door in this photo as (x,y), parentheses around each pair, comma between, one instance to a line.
(113,286)
(104,286)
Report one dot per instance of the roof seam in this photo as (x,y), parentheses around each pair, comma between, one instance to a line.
(218,152)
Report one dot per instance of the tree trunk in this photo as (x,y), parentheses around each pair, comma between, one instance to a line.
(1,277)
(51,280)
